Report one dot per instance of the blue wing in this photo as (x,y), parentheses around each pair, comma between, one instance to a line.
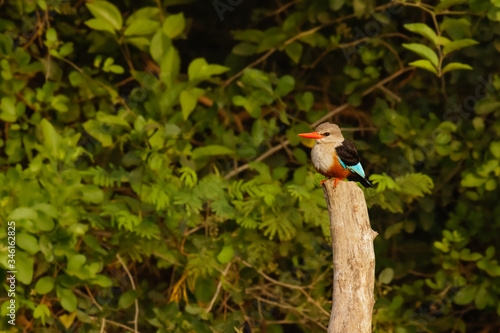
(348,158)
(357,169)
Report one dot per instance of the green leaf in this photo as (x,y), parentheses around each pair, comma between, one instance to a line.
(481,298)
(490,185)
(100,24)
(41,312)
(101,280)
(271,40)
(494,14)
(393,229)
(445,4)
(440,40)
(455,66)
(486,106)
(204,289)
(285,85)
(51,35)
(107,12)
(27,242)
(458,44)
(294,51)
(308,99)
(495,148)
(466,255)
(457,28)
(200,69)
(66,49)
(127,299)
(336,4)
(249,35)
(67,319)
(8,109)
(170,66)
(423,51)
(92,194)
(189,99)
(23,213)
(424,64)
(143,13)
(423,30)
(44,285)
(75,264)
(141,27)
(24,267)
(98,132)
(465,295)
(258,79)
(59,103)
(160,44)
(211,150)
(226,254)
(174,25)
(386,275)
(75,78)
(244,49)
(52,139)
(67,298)
(250,105)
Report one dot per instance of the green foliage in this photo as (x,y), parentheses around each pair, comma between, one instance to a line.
(151,163)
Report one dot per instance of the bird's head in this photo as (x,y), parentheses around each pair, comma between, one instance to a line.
(325,133)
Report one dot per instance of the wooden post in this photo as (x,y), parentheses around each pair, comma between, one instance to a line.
(353,258)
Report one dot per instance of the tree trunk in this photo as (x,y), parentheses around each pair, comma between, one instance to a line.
(353,258)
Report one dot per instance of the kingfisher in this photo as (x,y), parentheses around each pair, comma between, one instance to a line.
(334,157)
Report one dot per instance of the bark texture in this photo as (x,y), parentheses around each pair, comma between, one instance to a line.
(353,258)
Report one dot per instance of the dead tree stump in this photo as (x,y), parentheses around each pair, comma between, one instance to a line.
(353,258)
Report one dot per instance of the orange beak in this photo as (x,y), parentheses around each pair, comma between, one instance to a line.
(312,135)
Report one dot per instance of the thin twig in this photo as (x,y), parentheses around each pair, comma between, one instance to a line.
(390,93)
(391,49)
(282,8)
(387,79)
(116,324)
(270,279)
(258,159)
(322,119)
(218,287)
(298,36)
(288,307)
(255,63)
(133,287)
(103,325)
(92,298)
(290,286)
(356,129)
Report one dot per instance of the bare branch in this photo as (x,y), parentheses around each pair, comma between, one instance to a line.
(133,287)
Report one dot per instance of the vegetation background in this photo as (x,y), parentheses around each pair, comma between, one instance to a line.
(150,159)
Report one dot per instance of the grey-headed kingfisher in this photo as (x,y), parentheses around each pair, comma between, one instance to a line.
(335,157)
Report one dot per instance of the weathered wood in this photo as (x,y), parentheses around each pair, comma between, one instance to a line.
(353,258)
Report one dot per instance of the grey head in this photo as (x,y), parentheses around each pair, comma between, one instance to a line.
(331,133)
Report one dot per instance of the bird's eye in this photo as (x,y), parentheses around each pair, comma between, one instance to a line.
(326,134)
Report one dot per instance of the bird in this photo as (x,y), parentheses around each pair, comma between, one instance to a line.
(335,157)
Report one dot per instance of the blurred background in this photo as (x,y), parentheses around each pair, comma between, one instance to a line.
(150,160)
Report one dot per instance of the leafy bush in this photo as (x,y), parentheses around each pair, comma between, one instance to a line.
(152,165)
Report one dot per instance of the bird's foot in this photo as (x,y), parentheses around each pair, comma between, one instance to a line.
(336,180)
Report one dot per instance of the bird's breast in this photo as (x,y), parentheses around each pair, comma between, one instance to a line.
(323,157)
(325,160)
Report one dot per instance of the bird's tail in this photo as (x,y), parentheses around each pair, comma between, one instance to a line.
(365,182)
(362,180)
